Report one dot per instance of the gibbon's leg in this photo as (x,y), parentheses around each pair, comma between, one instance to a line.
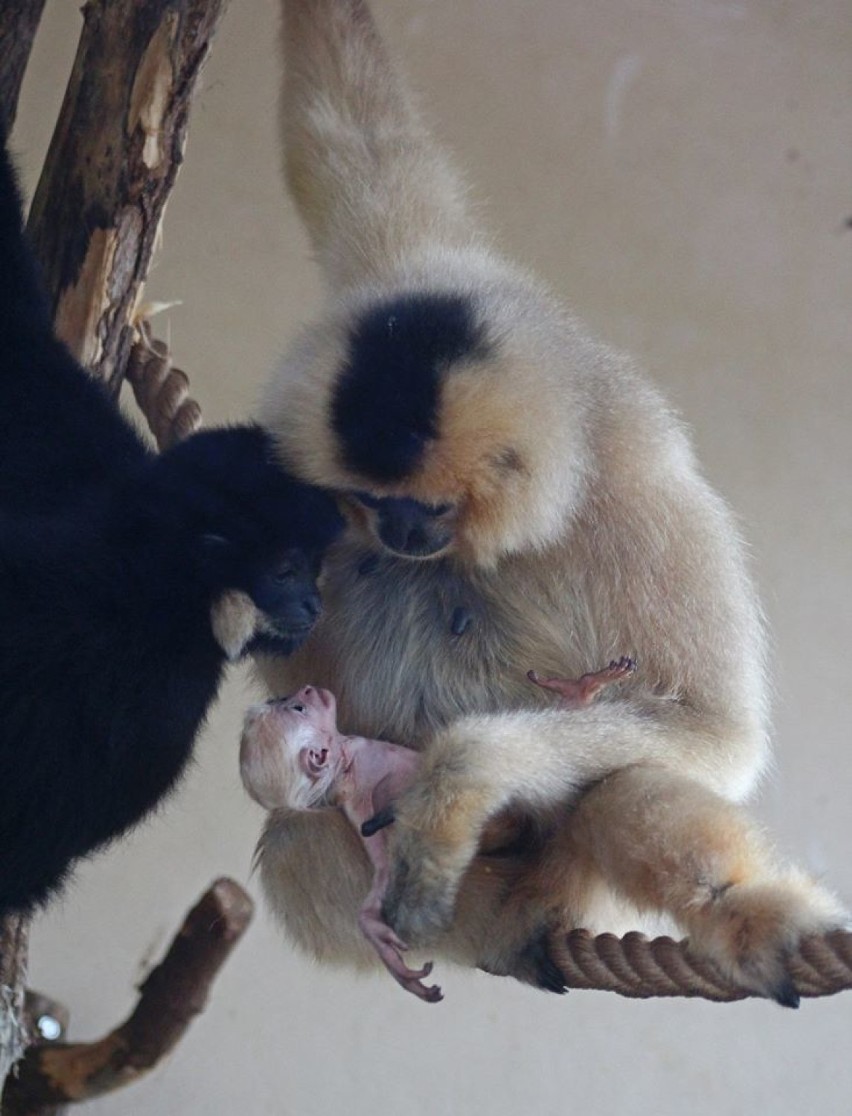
(670,845)
(655,834)
(537,760)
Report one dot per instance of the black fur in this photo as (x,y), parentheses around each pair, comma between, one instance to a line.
(110,560)
(385,406)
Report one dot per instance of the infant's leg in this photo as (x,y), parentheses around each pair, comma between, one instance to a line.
(577,692)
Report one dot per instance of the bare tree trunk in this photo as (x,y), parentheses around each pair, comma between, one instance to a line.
(113,159)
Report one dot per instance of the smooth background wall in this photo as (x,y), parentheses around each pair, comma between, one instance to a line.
(681,171)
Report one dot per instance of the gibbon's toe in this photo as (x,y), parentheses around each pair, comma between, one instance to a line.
(534,965)
(785,993)
(751,930)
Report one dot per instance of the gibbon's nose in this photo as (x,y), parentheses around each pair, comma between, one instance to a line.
(300,616)
(408,527)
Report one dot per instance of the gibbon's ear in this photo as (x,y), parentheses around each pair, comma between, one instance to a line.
(234,619)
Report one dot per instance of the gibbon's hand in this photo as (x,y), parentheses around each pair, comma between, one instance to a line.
(425,874)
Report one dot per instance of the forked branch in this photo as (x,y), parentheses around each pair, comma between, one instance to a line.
(170,998)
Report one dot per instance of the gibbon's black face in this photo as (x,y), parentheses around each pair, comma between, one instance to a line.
(386,407)
(257,529)
(408,527)
(283,588)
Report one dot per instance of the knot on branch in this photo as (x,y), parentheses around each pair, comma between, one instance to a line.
(161,390)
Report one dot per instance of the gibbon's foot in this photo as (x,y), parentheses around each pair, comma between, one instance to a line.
(390,949)
(577,692)
(750,930)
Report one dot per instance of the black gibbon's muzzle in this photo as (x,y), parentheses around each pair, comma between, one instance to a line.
(408,527)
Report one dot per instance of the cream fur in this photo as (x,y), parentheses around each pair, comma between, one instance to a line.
(599,539)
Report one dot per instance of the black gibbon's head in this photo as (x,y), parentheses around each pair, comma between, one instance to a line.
(442,416)
(255,530)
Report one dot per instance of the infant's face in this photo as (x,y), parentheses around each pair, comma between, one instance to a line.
(288,741)
(310,705)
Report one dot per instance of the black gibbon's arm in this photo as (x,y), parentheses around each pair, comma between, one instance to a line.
(113,564)
(520,496)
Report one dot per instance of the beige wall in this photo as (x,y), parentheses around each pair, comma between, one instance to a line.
(681,170)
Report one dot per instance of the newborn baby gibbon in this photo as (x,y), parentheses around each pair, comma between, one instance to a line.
(293,756)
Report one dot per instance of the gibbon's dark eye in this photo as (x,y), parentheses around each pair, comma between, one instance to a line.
(367,500)
(284,573)
(440,509)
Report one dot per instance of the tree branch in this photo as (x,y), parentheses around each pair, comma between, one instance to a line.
(13,971)
(112,162)
(170,998)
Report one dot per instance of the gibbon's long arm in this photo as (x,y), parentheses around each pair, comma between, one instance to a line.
(386,190)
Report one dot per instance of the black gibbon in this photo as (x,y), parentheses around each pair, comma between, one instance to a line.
(124,579)
(519,496)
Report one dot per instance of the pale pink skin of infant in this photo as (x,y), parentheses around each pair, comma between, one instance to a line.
(362,777)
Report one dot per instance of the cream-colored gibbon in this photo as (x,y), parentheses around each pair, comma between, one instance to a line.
(519,495)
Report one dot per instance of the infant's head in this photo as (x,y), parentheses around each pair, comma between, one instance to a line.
(290,751)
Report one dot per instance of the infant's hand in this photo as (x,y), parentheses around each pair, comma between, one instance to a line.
(390,949)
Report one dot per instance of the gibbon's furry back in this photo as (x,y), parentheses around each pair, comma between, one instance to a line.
(519,496)
(126,581)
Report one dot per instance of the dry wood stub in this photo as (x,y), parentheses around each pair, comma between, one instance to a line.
(169,999)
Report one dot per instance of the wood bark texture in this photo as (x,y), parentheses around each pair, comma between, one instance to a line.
(112,162)
(13,974)
(170,997)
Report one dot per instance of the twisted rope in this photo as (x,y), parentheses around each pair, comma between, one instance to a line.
(161,390)
(639,967)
